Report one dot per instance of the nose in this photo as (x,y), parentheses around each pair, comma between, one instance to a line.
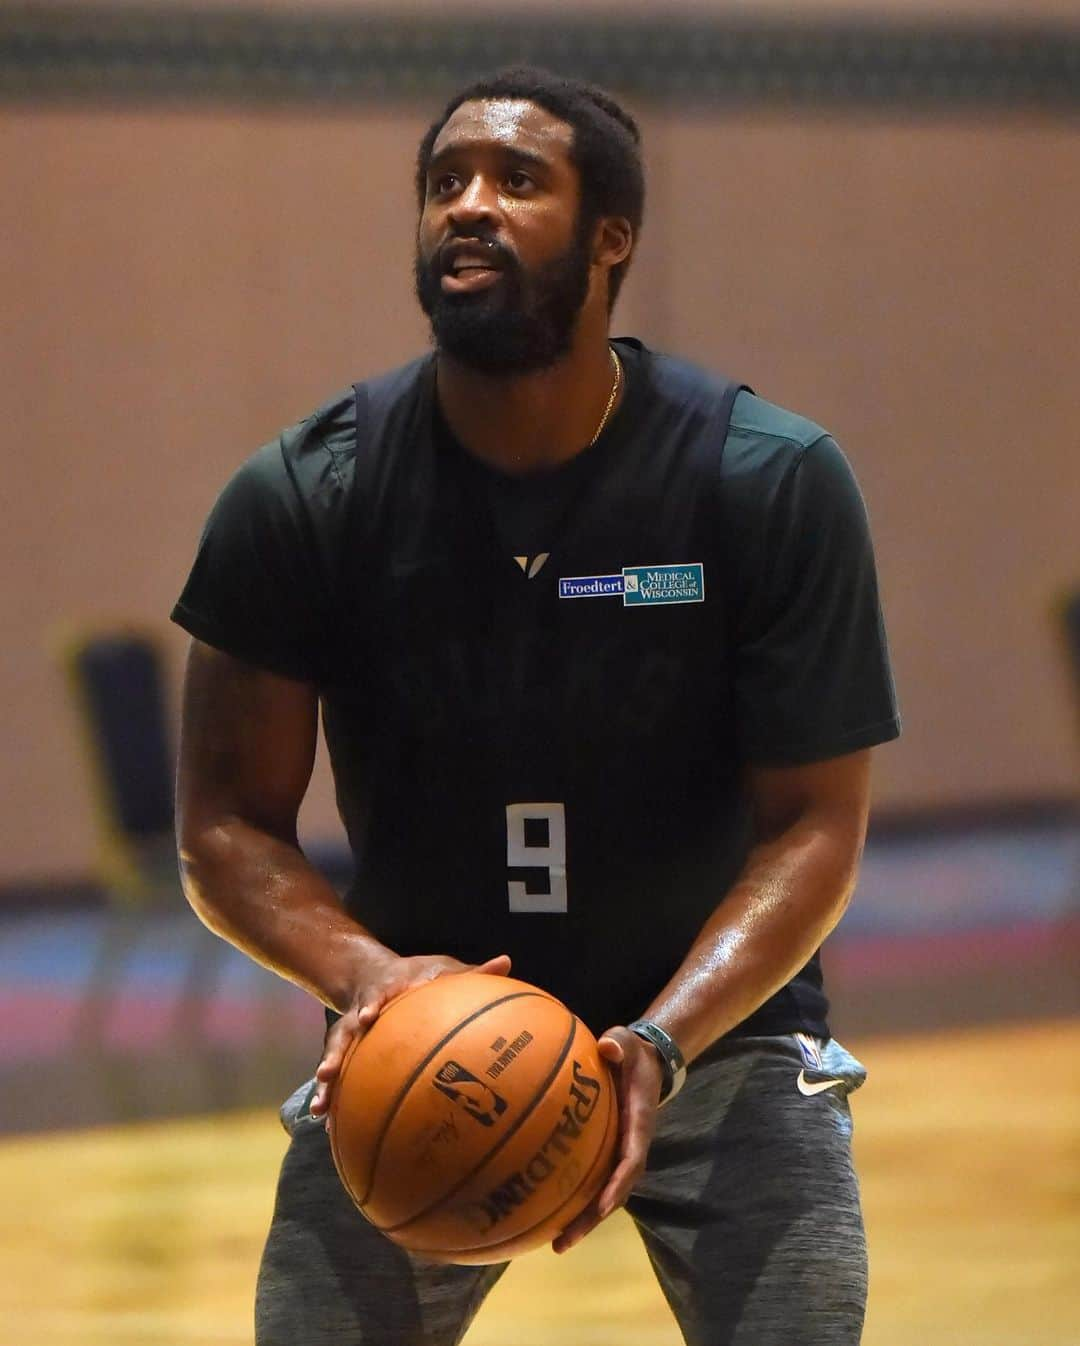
(477,201)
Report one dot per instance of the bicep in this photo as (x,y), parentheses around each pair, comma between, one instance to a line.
(247,745)
(831,795)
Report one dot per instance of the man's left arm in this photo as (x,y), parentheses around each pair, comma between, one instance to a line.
(809,829)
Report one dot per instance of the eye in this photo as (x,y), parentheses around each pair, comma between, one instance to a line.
(518,180)
(443,183)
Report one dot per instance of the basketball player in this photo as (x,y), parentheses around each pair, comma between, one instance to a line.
(597,642)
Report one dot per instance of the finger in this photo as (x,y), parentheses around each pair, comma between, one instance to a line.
(320,1099)
(633,1146)
(637,1121)
(611,1050)
(351,1025)
(498,966)
(622,1182)
(347,1029)
(325,1078)
(337,1041)
(576,1230)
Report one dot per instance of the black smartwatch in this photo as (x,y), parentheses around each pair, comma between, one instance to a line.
(670,1057)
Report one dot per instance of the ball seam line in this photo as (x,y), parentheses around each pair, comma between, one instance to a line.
(524,1233)
(538,1098)
(421,1067)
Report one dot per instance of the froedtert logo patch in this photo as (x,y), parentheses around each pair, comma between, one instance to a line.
(640,586)
(591,586)
(663,584)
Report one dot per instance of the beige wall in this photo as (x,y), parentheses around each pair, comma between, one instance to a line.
(176,285)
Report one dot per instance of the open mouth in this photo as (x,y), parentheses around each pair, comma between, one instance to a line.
(470,278)
(469,266)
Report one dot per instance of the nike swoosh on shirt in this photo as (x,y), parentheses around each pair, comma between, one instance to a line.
(809,1089)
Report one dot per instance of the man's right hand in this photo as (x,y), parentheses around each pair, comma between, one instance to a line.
(391,979)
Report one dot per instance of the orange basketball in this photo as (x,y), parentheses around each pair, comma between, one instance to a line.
(474,1120)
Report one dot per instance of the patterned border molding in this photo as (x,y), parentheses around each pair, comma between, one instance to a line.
(103,53)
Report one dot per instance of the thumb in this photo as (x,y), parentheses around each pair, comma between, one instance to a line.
(610,1050)
(498,966)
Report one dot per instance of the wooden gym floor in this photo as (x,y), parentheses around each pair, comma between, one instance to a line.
(966,1141)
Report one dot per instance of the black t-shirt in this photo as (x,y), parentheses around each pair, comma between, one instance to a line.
(547,758)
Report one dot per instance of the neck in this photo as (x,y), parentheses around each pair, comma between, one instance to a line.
(528,422)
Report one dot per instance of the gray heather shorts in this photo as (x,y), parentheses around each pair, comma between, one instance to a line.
(748,1209)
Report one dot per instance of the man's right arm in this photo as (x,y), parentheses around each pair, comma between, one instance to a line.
(247,746)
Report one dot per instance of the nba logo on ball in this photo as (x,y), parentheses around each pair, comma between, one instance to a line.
(473,1095)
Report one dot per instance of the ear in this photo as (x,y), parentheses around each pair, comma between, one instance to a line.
(613,241)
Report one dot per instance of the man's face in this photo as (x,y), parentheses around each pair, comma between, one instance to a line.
(503,256)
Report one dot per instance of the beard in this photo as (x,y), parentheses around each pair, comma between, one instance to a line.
(523,323)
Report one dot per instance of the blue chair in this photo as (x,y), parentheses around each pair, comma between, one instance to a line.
(117,678)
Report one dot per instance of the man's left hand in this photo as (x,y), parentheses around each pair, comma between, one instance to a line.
(638,1076)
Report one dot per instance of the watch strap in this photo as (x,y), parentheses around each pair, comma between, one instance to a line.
(671,1058)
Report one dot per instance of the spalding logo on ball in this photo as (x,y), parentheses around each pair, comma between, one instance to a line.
(474,1120)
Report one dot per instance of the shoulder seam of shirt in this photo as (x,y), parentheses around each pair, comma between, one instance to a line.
(736,424)
(781,439)
(804,449)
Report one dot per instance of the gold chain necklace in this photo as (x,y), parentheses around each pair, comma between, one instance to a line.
(611,400)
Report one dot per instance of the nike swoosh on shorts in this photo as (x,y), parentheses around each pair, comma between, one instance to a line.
(810,1088)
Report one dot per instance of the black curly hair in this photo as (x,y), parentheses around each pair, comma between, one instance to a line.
(606,148)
